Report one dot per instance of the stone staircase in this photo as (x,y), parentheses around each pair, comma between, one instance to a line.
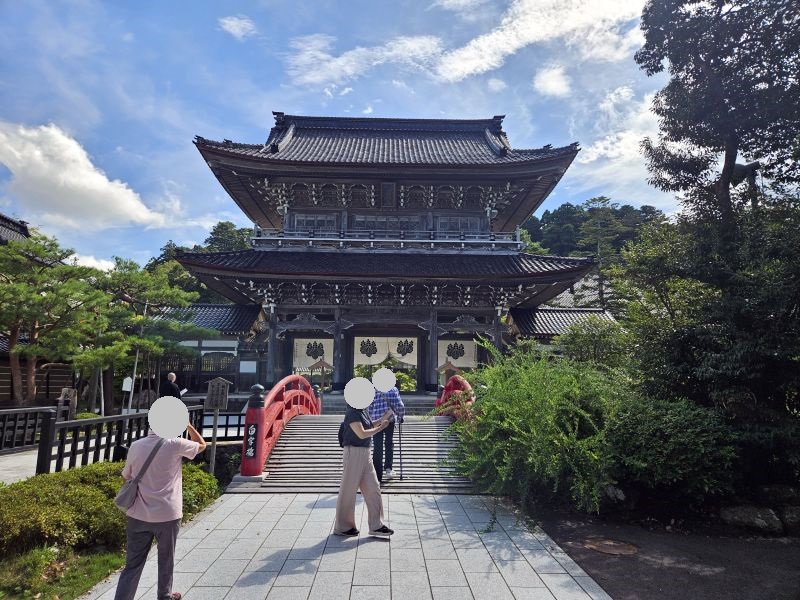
(307,458)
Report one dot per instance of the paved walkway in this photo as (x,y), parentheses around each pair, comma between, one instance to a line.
(18,465)
(280,546)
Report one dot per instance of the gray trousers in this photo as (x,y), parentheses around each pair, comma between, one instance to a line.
(140,535)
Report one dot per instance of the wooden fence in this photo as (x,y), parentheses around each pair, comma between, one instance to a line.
(79,443)
(20,428)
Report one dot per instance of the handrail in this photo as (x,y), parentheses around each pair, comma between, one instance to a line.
(456,399)
(384,234)
(291,396)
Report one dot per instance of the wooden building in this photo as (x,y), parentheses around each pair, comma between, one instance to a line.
(384,237)
(234,353)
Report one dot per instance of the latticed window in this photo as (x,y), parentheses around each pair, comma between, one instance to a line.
(415,198)
(329,195)
(301,196)
(472,199)
(445,198)
(218,362)
(459,224)
(314,222)
(358,197)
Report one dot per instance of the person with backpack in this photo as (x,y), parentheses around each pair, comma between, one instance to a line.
(358,472)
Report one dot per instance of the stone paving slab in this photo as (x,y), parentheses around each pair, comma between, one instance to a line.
(281,546)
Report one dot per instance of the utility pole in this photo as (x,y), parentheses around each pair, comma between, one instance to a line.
(136,361)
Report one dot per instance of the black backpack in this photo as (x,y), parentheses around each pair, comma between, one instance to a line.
(341,434)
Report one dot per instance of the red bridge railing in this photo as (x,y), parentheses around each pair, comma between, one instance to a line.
(456,399)
(291,396)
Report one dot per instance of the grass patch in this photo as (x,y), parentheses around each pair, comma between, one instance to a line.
(49,573)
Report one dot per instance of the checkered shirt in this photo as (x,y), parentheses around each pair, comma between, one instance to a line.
(385,400)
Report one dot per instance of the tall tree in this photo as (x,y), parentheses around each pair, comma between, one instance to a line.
(225,236)
(733,92)
(48,307)
(560,229)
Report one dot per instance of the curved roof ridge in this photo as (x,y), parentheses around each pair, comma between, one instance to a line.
(381,123)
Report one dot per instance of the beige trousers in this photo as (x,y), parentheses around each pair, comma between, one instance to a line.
(358,472)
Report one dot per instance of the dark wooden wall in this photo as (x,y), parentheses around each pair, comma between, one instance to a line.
(49,383)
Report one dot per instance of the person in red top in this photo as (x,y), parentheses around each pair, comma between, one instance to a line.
(157,511)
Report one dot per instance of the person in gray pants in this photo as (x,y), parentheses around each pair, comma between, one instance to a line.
(157,511)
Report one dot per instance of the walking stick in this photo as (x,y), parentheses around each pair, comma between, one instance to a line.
(400,433)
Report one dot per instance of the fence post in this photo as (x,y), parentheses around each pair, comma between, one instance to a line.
(46,440)
(119,454)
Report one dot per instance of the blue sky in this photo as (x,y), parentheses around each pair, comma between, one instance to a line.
(99,102)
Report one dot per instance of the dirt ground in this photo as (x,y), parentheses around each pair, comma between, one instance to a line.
(680,566)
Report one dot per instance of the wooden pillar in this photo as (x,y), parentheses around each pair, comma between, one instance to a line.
(422,360)
(497,332)
(272,350)
(433,353)
(339,354)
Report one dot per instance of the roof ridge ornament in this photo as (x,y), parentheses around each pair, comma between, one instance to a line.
(497,147)
(282,142)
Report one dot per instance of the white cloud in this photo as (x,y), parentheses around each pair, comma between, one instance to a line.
(54,178)
(529,22)
(345,91)
(458,5)
(614,162)
(239,26)
(90,261)
(606,44)
(368,110)
(598,29)
(402,85)
(552,81)
(313,64)
(496,85)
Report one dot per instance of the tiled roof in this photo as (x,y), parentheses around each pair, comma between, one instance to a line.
(388,141)
(401,265)
(230,319)
(582,294)
(545,323)
(12,229)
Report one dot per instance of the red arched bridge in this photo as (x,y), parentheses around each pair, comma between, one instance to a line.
(290,446)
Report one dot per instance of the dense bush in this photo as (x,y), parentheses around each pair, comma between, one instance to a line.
(75,508)
(595,340)
(675,449)
(539,428)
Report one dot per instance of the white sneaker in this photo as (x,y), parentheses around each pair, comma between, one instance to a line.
(388,474)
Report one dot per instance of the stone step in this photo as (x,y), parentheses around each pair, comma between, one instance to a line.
(307,458)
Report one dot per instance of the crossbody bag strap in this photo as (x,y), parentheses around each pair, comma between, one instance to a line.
(150,459)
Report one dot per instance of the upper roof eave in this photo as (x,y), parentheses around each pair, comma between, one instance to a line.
(212,150)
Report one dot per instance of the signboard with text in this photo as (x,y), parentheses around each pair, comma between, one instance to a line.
(217,396)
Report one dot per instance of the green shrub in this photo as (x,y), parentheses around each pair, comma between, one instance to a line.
(674,448)
(538,428)
(596,340)
(199,490)
(75,508)
(86,415)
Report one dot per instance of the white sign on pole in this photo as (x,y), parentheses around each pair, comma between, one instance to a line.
(127,384)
